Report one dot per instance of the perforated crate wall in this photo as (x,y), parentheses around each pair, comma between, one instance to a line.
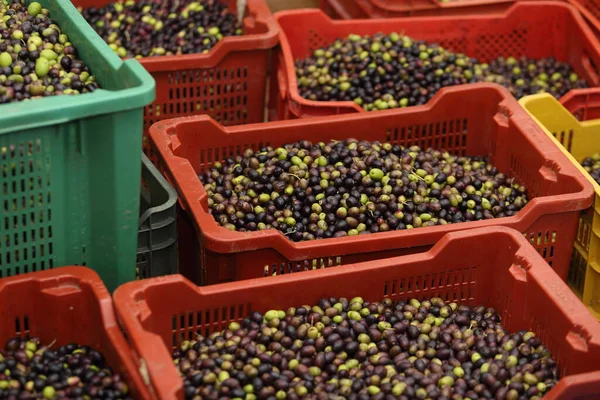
(63,201)
(26,242)
(485,46)
(232,92)
(593,6)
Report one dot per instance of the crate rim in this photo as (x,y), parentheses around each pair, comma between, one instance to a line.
(219,239)
(129,299)
(525,250)
(289,90)
(83,273)
(28,114)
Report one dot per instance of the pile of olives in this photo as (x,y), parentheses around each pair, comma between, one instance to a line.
(355,349)
(150,28)
(347,188)
(388,71)
(592,166)
(36,57)
(30,370)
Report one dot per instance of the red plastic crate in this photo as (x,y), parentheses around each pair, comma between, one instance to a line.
(66,305)
(494,268)
(584,104)
(533,29)
(356,9)
(480,119)
(227,83)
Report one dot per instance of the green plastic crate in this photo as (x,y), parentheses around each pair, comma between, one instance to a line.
(70,167)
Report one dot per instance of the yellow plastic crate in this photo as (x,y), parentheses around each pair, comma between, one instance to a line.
(570,126)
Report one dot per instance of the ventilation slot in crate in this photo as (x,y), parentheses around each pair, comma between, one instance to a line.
(584,231)
(454,286)
(315,41)
(457,45)
(190,325)
(22,328)
(544,244)
(25,214)
(142,262)
(209,156)
(489,46)
(300,266)
(450,135)
(577,271)
(565,138)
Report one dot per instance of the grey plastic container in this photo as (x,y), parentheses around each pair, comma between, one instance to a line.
(157,235)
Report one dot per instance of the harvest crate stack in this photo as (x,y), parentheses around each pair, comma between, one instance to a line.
(358,199)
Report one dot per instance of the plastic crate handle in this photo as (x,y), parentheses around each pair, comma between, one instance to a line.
(526,266)
(132,308)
